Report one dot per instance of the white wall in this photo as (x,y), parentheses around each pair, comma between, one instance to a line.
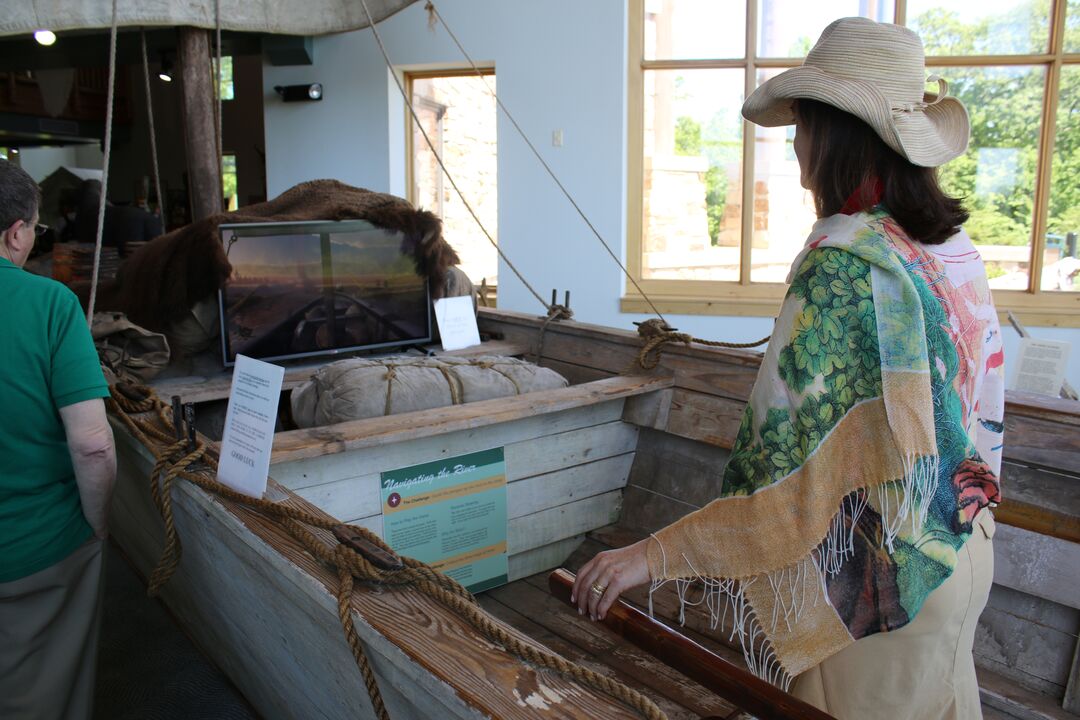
(40,162)
(560,65)
(553,73)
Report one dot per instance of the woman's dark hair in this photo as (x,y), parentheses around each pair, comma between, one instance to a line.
(846,155)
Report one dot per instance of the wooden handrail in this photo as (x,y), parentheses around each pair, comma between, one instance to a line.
(732,683)
(1045,521)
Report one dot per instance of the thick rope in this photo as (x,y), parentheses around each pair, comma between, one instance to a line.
(345,585)
(656,333)
(438,158)
(453,381)
(555,312)
(104,169)
(433,11)
(153,133)
(451,384)
(391,373)
(218,136)
(154,429)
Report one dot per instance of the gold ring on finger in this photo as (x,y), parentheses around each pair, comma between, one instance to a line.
(598,588)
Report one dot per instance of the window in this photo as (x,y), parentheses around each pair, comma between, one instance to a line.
(225,86)
(458,114)
(716,211)
(228,182)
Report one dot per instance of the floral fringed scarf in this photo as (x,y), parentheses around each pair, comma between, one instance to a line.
(871,440)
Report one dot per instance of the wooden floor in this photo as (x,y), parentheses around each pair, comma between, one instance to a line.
(527,605)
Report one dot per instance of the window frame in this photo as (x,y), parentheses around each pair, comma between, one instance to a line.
(235,172)
(409,76)
(488,291)
(1034,305)
(217,78)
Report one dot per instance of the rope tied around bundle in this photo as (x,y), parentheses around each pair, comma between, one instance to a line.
(656,334)
(177,459)
(453,381)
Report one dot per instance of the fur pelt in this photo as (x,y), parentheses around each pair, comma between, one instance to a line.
(162,280)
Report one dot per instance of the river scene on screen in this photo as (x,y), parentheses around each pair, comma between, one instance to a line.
(299,294)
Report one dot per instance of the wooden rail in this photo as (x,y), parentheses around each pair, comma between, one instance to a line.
(711,387)
(732,683)
(1044,521)
(356,434)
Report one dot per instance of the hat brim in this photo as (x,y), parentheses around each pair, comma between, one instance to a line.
(928,137)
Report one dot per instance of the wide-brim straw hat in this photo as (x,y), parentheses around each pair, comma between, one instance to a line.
(876,72)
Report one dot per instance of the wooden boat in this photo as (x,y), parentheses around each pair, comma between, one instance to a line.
(600,463)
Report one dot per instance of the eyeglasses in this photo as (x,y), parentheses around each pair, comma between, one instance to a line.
(40,229)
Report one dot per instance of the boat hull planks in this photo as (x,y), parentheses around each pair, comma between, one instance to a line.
(266,613)
(679,463)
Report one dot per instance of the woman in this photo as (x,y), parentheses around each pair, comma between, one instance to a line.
(851,540)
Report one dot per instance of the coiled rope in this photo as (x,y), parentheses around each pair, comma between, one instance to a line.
(175,459)
(656,333)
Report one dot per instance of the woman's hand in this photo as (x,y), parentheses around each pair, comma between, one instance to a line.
(601,580)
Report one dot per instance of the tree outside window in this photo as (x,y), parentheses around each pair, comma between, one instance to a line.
(716,209)
(228,182)
(225,83)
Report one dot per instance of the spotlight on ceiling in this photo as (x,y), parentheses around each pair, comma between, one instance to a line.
(166,71)
(300,93)
(45,37)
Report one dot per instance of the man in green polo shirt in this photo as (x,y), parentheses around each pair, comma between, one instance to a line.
(57,467)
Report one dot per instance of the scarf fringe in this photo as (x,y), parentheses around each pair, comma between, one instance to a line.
(721,596)
(909,498)
(900,501)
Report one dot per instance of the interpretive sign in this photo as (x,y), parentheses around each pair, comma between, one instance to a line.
(456,319)
(249,426)
(1041,366)
(451,514)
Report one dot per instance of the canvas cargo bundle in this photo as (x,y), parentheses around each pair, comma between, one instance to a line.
(128,352)
(360,388)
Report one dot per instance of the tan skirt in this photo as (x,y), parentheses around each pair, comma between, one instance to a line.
(924,670)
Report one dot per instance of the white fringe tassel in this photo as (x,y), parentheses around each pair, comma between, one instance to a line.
(909,498)
(899,501)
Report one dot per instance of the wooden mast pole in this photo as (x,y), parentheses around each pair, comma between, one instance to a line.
(196,76)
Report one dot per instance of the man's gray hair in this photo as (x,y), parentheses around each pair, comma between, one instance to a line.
(20,196)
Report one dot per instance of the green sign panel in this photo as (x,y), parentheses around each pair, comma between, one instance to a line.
(451,514)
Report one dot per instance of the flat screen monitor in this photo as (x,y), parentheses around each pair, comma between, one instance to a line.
(304,289)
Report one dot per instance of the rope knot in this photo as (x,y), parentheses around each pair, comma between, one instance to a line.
(653,327)
(656,333)
(133,398)
(559,312)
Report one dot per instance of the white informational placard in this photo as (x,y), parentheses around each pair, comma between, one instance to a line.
(249,426)
(457,322)
(1040,367)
